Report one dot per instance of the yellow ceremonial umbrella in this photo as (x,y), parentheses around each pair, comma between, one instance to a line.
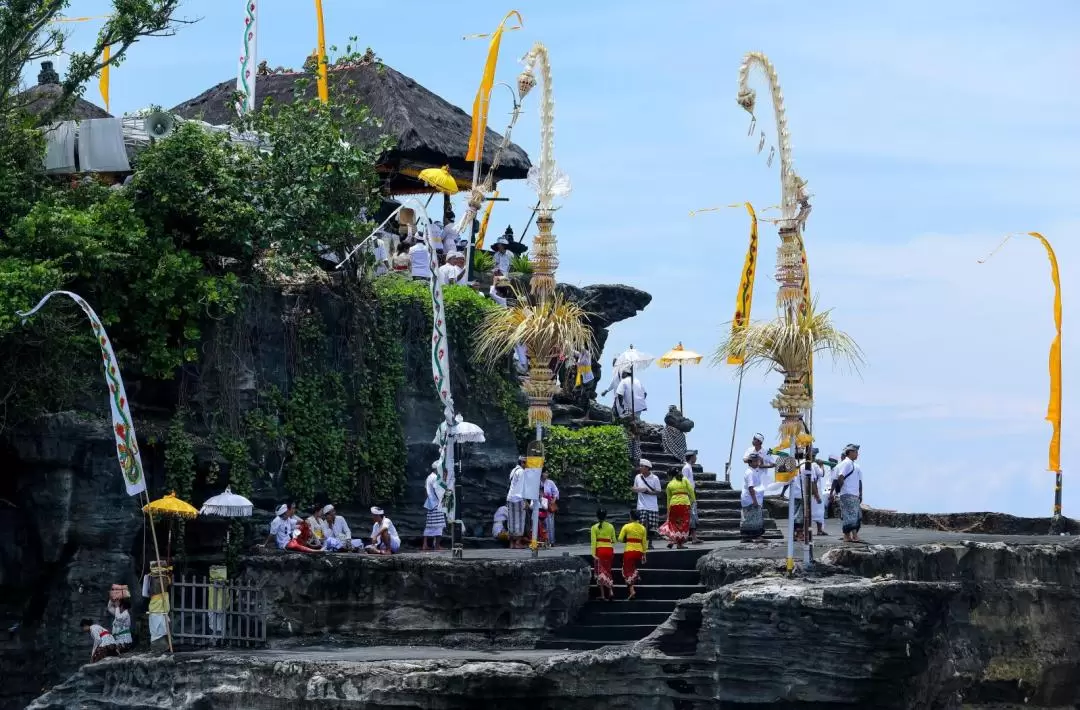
(440,179)
(679,356)
(172,507)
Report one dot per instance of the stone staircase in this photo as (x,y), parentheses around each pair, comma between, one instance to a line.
(669,576)
(718,505)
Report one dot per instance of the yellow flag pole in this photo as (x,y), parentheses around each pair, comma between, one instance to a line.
(1053,408)
(324,83)
(103,82)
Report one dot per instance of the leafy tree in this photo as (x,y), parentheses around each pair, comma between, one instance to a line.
(29,32)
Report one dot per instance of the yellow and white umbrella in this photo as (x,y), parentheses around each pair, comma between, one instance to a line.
(679,356)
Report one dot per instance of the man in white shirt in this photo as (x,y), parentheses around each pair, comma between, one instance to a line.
(647,486)
(752,524)
(384,536)
(453,271)
(515,505)
(281,526)
(630,397)
(616,378)
(419,262)
(338,534)
(849,478)
(767,460)
(501,256)
(688,475)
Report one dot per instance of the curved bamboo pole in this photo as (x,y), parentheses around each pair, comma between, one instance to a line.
(545,256)
(793,401)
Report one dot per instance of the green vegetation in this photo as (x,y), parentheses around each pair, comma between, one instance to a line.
(597,457)
(520,264)
(482,261)
(178,264)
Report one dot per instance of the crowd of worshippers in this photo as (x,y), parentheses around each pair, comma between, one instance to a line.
(836,489)
(326,531)
(408,254)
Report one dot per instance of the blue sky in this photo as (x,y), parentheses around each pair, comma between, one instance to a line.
(927,131)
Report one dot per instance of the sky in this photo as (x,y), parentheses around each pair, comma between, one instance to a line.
(927,131)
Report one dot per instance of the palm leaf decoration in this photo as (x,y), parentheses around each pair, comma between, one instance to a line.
(551,327)
(786,345)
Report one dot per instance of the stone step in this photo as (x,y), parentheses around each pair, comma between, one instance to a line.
(671,592)
(716,502)
(563,644)
(608,634)
(652,575)
(708,483)
(630,606)
(597,615)
(724,536)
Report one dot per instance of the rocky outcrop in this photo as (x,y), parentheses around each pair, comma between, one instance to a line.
(69,533)
(938,627)
(402,600)
(971,523)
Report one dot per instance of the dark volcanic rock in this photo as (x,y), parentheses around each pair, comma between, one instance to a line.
(72,533)
(967,640)
(975,523)
(408,599)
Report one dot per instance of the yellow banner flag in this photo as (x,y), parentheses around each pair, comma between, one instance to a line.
(484,221)
(483,94)
(1053,409)
(103,82)
(323,82)
(745,296)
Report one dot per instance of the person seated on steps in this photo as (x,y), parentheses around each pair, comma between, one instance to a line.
(384,536)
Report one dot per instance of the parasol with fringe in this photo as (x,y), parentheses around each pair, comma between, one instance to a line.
(169,506)
(679,356)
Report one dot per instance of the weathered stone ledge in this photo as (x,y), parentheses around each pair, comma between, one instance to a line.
(411,599)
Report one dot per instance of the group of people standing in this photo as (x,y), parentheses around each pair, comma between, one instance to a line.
(842,484)
(680,496)
(512,520)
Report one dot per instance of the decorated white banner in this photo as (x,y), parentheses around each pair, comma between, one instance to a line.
(249,56)
(127,448)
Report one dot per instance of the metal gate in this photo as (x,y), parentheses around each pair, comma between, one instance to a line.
(218,613)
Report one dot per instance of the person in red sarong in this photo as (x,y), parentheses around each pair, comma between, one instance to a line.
(680,495)
(603,552)
(636,538)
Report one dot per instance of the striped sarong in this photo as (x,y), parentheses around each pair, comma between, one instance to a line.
(435,523)
(515,518)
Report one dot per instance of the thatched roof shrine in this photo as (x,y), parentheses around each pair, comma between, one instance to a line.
(429,131)
(40,98)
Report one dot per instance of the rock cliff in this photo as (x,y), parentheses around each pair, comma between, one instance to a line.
(68,531)
(941,627)
(401,600)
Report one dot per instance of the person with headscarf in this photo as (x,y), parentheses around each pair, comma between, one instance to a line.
(647,487)
(850,483)
(807,467)
(752,524)
(765,458)
(680,495)
(515,505)
(281,527)
(636,539)
(435,521)
(602,539)
(384,536)
(338,534)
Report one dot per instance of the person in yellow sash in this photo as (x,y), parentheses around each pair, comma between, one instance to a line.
(636,538)
(680,496)
(602,536)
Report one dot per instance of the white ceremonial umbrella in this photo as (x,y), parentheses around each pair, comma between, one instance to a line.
(635,360)
(227,505)
(467,433)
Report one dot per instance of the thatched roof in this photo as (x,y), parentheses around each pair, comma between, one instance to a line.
(40,98)
(429,131)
